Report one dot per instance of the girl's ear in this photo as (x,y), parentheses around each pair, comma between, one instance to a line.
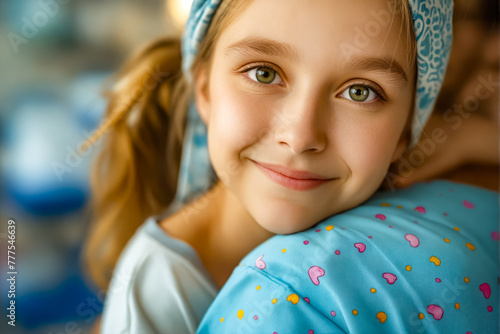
(400,148)
(404,140)
(202,96)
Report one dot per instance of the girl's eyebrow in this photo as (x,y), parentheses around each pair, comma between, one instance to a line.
(252,45)
(386,64)
(261,45)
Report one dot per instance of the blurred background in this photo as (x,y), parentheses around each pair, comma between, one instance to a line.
(55,59)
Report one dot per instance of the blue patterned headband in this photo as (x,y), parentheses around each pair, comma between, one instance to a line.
(432,21)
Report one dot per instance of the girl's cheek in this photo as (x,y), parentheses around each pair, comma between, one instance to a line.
(369,148)
(238,119)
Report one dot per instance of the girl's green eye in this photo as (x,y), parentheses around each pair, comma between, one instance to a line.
(265,75)
(359,93)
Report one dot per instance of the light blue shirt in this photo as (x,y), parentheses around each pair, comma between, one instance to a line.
(419,260)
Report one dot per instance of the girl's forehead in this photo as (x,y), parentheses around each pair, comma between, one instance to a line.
(319,31)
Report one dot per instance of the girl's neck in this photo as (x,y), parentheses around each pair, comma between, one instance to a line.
(219,228)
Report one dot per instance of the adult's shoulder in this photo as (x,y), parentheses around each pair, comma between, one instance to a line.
(421,259)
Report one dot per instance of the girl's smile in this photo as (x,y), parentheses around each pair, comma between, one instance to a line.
(292,179)
(311,129)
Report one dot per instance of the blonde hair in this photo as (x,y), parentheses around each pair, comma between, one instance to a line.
(402,7)
(135,174)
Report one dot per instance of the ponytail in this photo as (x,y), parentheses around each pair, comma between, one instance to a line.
(135,173)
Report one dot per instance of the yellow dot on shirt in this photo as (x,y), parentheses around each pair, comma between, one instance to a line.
(470,246)
(421,316)
(408,268)
(283,250)
(354,312)
(373,290)
(258,287)
(400,206)
(274,301)
(329,227)
(447,240)
(385,204)
(240,314)
(456,228)
(221,319)
(466,279)
(457,306)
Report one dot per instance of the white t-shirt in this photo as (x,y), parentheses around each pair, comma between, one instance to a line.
(159,286)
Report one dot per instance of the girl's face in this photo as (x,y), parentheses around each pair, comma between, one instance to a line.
(305,103)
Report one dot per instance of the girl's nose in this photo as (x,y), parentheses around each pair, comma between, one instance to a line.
(301,126)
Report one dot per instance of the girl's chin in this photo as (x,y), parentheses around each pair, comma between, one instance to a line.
(285,223)
(284,215)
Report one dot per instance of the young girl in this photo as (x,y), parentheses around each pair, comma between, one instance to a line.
(306,105)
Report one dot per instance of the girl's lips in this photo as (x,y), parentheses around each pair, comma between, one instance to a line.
(292,179)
